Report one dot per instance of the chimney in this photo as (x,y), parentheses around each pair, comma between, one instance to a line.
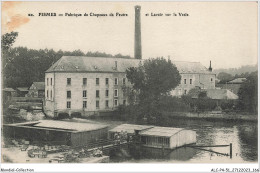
(210,68)
(138,45)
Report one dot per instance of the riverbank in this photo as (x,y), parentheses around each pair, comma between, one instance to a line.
(15,155)
(212,116)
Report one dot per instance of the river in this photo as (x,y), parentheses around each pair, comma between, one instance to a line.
(242,135)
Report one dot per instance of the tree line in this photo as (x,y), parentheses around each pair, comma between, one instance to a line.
(226,77)
(22,66)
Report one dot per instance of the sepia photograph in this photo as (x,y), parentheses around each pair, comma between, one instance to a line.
(129,82)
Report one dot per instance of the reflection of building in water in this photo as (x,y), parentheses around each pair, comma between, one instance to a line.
(248,139)
(183,154)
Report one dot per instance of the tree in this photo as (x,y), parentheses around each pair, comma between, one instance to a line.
(224,77)
(8,39)
(248,93)
(152,80)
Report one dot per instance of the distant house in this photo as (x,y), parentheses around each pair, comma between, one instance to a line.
(8,93)
(221,94)
(37,90)
(233,85)
(215,94)
(237,81)
(22,91)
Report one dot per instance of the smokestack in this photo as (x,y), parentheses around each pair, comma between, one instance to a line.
(210,68)
(138,45)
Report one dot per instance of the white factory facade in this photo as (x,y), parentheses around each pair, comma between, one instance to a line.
(90,85)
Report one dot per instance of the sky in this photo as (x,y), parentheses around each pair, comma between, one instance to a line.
(223,32)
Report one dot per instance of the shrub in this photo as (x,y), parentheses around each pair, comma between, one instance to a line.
(76,115)
(63,116)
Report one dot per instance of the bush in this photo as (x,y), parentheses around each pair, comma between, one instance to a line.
(173,104)
(76,115)
(63,116)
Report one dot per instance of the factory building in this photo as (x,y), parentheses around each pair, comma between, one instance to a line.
(90,85)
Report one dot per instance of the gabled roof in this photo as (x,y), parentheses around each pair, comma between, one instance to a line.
(237,80)
(73,126)
(92,64)
(216,94)
(108,64)
(130,128)
(23,89)
(161,131)
(61,125)
(221,94)
(191,67)
(9,90)
(39,85)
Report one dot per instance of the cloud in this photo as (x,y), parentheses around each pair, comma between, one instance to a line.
(11,20)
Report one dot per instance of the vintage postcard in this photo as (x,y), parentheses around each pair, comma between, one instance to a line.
(129,82)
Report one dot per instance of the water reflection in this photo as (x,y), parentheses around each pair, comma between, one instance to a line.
(242,135)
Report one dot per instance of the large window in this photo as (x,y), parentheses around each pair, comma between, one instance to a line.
(107,93)
(124,79)
(84,93)
(51,94)
(116,93)
(47,81)
(68,94)
(84,104)
(97,104)
(97,81)
(107,104)
(51,81)
(68,81)
(68,104)
(116,102)
(190,81)
(184,81)
(97,93)
(107,81)
(47,94)
(84,81)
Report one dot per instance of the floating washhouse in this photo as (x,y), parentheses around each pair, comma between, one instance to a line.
(129,128)
(157,137)
(55,132)
(167,137)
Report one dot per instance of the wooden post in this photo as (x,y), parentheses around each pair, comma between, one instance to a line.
(230,152)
